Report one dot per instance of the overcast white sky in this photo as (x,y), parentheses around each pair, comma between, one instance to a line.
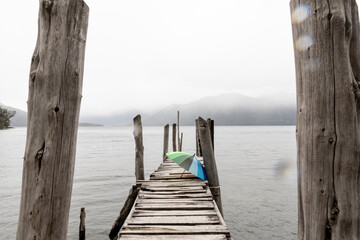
(138,51)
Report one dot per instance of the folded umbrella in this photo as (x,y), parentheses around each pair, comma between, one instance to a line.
(189,163)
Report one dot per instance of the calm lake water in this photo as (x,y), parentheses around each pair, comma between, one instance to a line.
(257,171)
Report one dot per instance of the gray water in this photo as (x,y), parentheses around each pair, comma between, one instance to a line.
(256,165)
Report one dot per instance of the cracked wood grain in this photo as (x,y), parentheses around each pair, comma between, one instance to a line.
(55,86)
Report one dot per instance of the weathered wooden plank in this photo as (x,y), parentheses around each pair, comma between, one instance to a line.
(195,180)
(173,220)
(148,213)
(177,229)
(173,186)
(174,196)
(179,174)
(173,200)
(171,169)
(169,184)
(168,162)
(176,237)
(176,206)
(163,189)
(172,177)
(174,192)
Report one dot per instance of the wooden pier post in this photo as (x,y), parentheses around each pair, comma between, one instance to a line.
(327,58)
(197,134)
(139,149)
(174,137)
(166,141)
(209,161)
(178,129)
(55,88)
(211,127)
(181,141)
(125,210)
(82,235)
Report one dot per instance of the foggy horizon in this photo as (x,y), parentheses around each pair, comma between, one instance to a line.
(150,54)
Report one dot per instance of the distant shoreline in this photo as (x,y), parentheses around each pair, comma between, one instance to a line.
(101,125)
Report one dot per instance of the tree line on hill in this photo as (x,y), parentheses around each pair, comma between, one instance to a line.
(5,116)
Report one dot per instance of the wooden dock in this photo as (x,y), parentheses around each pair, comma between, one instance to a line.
(174,205)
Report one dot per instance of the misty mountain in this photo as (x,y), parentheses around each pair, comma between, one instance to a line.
(225,109)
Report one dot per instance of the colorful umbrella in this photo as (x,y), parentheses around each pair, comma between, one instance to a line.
(189,163)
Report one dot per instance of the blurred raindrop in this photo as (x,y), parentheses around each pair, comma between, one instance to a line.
(313,64)
(304,42)
(281,168)
(301,13)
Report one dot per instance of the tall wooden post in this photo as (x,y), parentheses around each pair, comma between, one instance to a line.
(196,138)
(174,137)
(55,88)
(178,129)
(197,134)
(209,161)
(181,141)
(139,149)
(211,127)
(327,60)
(166,141)
(82,234)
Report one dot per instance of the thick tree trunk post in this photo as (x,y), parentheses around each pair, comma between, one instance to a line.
(209,161)
(174,136)
(178,129)
(211,127)
(139,149)
(55,88)
(327,59)
(166,141)
(82,235)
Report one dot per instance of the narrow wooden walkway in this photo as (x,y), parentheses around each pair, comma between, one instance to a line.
(170,207)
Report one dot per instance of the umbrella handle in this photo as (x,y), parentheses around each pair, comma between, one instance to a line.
(182,173)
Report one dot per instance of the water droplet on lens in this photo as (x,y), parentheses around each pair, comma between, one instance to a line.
(304,42)
(301,13)
(313,64)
